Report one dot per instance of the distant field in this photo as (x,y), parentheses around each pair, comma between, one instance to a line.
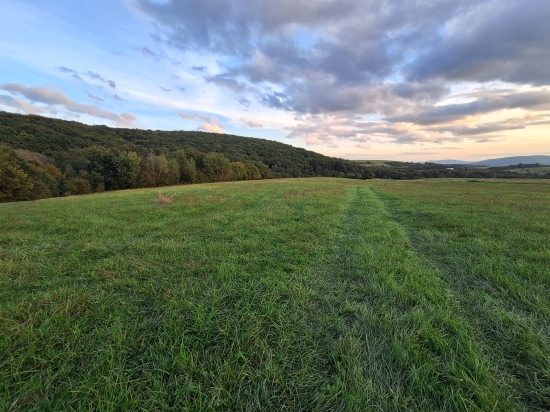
(373,162)
(300,294)
(541,170)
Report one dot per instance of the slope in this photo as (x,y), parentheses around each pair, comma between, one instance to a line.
(313,294)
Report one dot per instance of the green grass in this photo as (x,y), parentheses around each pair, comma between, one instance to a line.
(302,294)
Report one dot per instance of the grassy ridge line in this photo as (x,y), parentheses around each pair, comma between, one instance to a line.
(493,259)
(398,341)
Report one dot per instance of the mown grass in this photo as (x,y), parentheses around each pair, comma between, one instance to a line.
(303,294)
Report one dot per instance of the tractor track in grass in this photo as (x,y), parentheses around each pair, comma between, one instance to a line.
(396,339)
(507,325)
(298,294)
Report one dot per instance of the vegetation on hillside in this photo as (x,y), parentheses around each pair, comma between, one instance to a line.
(84,159)
(408,170)
(315,295)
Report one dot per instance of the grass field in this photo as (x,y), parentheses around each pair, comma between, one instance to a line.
(297,294)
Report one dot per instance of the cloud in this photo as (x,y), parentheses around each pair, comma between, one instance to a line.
(20,104)
(477,129)
(504,40)
(164,89)
(194,116)
(117,97)
(52,99)
(65,69)
(487,102)
(181,89)
(245,102)
(333,63)
(214,128)
(93,97)
(252,124)
(99,77)
(228,83)
(145,51)
(95,76)
(211,123)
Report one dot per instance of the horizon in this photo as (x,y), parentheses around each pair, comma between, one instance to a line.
(378,81)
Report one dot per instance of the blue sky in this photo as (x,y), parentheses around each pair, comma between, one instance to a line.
(403,79)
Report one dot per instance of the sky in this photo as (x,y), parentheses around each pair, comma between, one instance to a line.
(411,80)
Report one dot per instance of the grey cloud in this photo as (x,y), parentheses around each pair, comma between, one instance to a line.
(164,89)
(65,69)
(228,83)
(99,77)
(94,97)
(117,97)
(498,39)
(181,89)
(363,41)
(488,102)
(54,98)
(77,77)
(96,76)
(396,59)
(245,102)
(148,52)
(19,104)
(321,96)
(478,129)
(352,40)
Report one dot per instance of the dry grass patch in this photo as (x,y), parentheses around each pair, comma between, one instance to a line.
(163,200)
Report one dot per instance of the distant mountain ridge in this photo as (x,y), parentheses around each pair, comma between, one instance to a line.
(502,161)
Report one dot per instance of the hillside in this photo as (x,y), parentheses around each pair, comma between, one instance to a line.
(84,159)
(291,294)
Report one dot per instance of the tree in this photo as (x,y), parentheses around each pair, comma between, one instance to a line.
(252,171)
(14,182)
(238,171)
(367,173)
(128,169)
(188,170)
(217,167)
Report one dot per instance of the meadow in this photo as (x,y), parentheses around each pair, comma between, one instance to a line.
(314,294)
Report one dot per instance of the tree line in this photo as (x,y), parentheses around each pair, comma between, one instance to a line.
(42,157)
(409,171)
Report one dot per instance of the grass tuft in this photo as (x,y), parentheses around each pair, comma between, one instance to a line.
(162,200)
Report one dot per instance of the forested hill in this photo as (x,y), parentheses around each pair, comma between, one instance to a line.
(94,158)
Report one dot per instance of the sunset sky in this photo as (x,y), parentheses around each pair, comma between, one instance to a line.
(411,80)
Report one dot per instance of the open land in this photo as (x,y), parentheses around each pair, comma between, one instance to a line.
(305,294)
